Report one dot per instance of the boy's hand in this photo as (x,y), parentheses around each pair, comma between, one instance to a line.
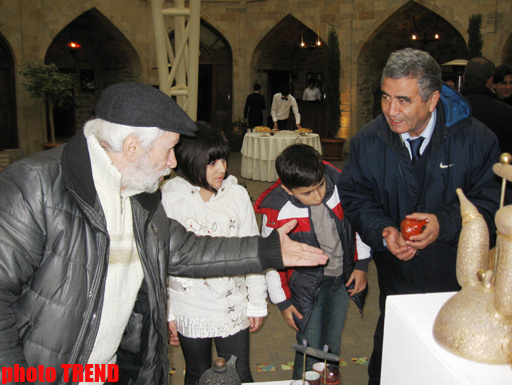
(296,253)
(173,333)
(288,316)
(360,278)
(255,323)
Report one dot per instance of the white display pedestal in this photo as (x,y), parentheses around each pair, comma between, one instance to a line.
(411,356)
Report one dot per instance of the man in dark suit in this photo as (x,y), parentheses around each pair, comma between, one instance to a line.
(254,107)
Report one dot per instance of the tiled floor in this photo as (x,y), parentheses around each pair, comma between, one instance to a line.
(271,346)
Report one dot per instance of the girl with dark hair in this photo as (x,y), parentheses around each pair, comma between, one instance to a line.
(205,200)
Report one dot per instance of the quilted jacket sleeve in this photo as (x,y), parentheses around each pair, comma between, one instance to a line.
(21,250)
(203,256)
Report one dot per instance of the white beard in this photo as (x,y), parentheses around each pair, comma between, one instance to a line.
(143,176)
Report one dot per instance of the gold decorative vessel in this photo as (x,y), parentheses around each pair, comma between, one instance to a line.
(476,323)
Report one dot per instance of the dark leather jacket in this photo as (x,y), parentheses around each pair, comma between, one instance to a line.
(53,257)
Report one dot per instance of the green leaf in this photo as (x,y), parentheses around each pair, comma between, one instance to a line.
(47,82)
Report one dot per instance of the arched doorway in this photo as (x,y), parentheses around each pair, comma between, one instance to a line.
(279,58)
(105,57)
(393,34)
(8,125)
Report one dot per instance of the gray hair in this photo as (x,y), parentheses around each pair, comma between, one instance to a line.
(112,135)
(414,64)
(477,71)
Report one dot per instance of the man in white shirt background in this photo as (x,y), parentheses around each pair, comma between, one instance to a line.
(312,92)
(280,111)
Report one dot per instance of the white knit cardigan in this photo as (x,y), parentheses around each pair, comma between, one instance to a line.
(213,307)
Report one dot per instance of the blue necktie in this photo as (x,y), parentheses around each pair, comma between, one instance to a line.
(415,148)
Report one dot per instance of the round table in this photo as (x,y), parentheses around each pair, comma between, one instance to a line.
(259,152)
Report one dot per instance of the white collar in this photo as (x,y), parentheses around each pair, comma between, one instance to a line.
(105,174)
(427,133)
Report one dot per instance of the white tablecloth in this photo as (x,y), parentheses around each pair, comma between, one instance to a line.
(411,356)
(259,153)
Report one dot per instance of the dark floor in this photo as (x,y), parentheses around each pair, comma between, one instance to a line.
(271,346)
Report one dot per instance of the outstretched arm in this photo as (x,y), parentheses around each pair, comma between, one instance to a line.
(203,256)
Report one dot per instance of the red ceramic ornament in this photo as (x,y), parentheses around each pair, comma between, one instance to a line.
(411,226)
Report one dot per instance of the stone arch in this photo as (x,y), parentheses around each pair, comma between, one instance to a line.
(8,123)
(393,34)
(106,57)
(279,58)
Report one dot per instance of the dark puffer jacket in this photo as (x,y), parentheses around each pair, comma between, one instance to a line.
(301,285)
(379,188)
(53,263)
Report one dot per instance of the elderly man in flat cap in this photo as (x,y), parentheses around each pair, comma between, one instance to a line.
(86,248)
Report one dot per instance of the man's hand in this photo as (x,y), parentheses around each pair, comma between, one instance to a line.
(296,253)
(360,282)
(275,125)
(429,234)
(255,323)
(397,245)
(298,126)
(288,316)
(173,333)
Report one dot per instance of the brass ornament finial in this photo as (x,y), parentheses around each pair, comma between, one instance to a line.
(505,158)
(476,323)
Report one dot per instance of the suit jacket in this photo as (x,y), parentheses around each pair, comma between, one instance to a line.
(254,105)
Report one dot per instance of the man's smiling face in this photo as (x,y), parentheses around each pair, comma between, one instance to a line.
(404,108)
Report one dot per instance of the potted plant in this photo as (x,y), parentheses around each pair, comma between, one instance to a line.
(332,145)
(54,87)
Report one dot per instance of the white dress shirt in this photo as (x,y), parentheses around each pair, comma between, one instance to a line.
(427,134)
(311,94)
(281,108)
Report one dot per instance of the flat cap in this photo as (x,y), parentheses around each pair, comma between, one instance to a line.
(140,105)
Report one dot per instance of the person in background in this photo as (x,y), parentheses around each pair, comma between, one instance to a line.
(408,162)
(86,246)
(207,201)
(312,92)
(314,301)
(450,81)
(254,107)
(280,111)
(478,79)
(502,83)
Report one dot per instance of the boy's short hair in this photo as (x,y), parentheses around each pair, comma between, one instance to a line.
(300,165)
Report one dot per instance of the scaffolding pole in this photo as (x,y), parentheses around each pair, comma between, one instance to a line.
(178,68)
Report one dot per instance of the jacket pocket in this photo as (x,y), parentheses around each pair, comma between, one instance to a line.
(132,333)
